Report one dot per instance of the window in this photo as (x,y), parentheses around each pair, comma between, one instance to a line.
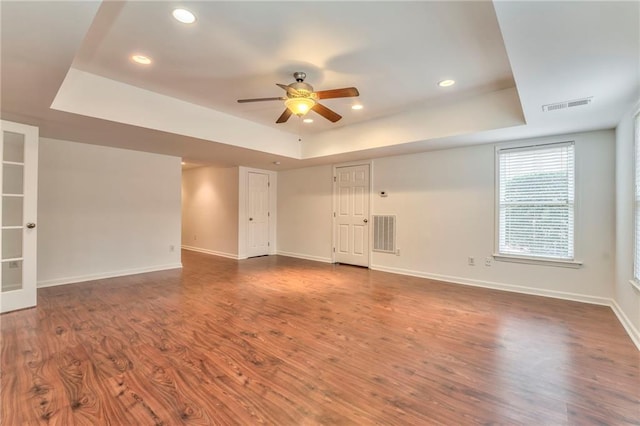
(636,263)
(536,186)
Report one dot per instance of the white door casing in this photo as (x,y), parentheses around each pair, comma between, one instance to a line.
(257,214)
(351,221)
(19,183)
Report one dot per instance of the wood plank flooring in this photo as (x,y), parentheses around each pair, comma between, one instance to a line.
(283,341)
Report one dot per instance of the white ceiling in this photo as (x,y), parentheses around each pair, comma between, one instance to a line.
(65,68)
(241,49)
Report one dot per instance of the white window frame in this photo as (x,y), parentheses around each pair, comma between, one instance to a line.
(535,260)
(635,281)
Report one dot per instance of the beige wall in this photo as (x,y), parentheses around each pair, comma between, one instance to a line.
(210,210)
(444,202)
(105,212)
(304,213)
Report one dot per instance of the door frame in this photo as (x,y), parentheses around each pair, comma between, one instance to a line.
(243,194)
(334,205)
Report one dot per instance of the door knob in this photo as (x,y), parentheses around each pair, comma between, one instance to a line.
(250,218)
(31,225)
(365,220)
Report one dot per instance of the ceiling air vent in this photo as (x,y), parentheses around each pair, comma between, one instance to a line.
(566,104)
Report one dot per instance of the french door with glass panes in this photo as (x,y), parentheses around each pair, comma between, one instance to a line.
(19,183)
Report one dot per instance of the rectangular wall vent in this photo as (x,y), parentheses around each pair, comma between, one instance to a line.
(384,233)
(566,104)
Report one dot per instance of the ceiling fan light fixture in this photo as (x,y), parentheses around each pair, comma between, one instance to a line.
(299,106)
(141,59)
(184,16)
(308,120)
(446,83)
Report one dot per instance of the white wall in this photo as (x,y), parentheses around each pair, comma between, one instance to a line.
(627,299)
(105,212)
(210,210)
(444,202)
(305,207)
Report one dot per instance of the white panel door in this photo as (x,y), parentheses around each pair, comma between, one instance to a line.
(19,183)
(258,214)
(352,215)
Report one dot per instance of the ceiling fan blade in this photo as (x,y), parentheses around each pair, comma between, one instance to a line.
(285,116)
(330,115)
(243,101)
(347,92)
(290,90)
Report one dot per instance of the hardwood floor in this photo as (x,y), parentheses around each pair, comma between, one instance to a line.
(284,341)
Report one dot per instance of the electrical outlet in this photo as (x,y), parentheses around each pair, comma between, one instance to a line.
(487,261)
(472,261)
(13,264)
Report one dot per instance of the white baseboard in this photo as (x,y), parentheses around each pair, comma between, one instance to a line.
(499,286)
(626,323)
(213,252)
(305,256)
(103,275)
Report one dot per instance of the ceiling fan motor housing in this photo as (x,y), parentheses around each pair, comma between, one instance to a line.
(305,90)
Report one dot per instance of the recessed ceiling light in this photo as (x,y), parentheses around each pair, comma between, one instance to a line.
(184,16)
(141,59)
(357,106)
(446,83)
(308,120)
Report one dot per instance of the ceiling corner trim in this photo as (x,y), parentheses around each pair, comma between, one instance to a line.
(495,110)
(91,95)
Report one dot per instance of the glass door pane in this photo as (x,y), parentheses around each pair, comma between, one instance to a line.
(12,211)
(13,147)
(12,275)
(11,244)
(12,179)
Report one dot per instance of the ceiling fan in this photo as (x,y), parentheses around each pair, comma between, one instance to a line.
(300,99)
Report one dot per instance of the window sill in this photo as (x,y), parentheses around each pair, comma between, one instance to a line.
(575,264)
(635,284)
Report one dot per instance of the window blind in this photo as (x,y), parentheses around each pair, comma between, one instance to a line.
(536,201)
(636,263)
